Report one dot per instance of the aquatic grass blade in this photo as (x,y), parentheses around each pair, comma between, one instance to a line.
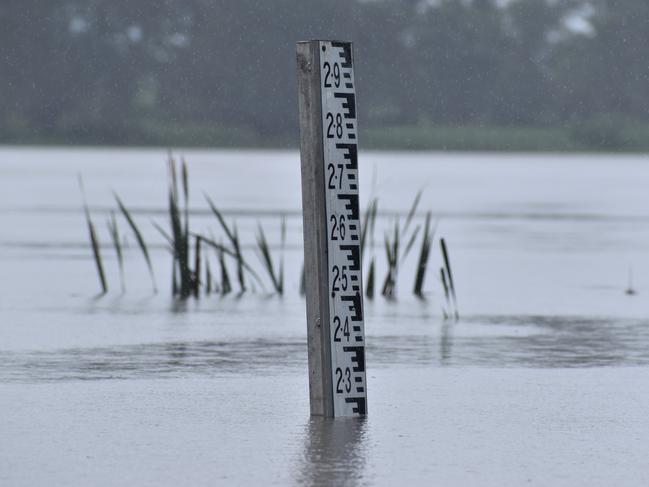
(388,287)
(234,240)
(197,267)
(185,180)
(114,233)
(97,254)
(219,217)
(444,280)
(411,242)
(239,258)
(220,247)
(94,241)
(225,278)
(172,176)
(266,258)
(422,263)
(367,226)
(174,278)
(370,281)
(442,273)
(180,250)
(282,249)
(449,273)
(390,284)
(412,211)
(138,237)
(165,235)
(208,277)
(185,177)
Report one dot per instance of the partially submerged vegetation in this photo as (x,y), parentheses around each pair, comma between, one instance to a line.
(202,263)
(94,242)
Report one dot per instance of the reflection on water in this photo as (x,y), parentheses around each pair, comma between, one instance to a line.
(446,342)
(475,341)
(334,452)
(174,359)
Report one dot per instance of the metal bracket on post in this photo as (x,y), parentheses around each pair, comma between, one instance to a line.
(332,227)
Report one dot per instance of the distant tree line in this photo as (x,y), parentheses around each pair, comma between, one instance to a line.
(101,70)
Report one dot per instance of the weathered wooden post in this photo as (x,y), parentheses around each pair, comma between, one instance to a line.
(332,261)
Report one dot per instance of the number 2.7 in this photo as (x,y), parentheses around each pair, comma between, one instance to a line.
(332,176)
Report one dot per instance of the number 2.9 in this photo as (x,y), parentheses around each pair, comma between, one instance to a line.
(328,74)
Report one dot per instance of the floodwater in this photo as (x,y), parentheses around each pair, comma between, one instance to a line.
(543,381)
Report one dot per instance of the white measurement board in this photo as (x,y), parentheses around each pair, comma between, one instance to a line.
(347,333)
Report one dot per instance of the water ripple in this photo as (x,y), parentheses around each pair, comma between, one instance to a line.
(542,342)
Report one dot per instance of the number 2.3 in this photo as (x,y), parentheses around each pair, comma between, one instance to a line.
(344,380)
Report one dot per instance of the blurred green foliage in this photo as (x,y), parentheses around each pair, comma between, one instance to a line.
(457,74)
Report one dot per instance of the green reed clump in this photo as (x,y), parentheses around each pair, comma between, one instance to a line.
(192,269)
(186,279)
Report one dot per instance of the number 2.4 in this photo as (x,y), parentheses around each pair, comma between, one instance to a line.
(341,329)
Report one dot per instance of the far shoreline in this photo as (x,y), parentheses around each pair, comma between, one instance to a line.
(582,138)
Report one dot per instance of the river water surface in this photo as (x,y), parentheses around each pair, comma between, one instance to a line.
(543,380)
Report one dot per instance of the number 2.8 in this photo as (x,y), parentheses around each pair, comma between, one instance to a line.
(335,125)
